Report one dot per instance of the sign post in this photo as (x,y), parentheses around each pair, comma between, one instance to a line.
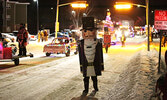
(160,23)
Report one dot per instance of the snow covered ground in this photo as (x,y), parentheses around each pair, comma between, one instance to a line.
(130,74)
(138,80)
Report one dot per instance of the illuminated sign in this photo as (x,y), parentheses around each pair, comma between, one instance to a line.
(160,19)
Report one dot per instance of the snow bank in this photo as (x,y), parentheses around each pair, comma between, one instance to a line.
(137,81)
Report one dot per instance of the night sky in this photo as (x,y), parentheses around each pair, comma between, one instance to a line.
(97,9)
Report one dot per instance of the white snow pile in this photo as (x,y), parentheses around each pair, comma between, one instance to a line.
(138,80)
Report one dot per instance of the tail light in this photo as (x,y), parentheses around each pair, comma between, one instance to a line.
(32,36)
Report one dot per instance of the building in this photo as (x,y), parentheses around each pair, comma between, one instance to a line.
(14,14)
(1,15)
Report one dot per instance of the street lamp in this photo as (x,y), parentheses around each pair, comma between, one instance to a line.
(77,4)
(125,5)
(84,14)
(37,16)
(122,5)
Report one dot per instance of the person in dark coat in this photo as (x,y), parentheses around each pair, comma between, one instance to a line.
(90,54)
(22,37)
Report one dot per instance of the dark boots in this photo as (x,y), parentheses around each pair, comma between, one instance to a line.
(86,84)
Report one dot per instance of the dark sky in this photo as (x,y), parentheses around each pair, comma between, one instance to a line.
(97,7)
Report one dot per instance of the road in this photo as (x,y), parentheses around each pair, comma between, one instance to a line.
(59,77)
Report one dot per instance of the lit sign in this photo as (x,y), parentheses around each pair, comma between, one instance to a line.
(160,19)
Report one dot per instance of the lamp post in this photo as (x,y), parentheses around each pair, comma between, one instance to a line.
(147,23)
(37,16)
(124,5)
(77,4)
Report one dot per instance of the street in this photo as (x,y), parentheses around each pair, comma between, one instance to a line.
(130,73)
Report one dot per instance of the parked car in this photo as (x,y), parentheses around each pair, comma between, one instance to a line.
(15,33)
(32,37)
(60,45)
(59,34)
(9,36)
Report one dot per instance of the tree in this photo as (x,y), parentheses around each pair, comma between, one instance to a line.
(77,14)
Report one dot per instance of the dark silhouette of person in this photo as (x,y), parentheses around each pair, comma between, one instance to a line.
(22,37)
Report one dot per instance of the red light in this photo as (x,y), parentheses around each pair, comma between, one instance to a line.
(32,36)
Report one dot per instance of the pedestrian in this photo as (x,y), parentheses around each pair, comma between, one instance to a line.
(106,47)
(39,35)
(90,54)
(123,38)
(42,35)
(22,37)
(45,35)
(163,41)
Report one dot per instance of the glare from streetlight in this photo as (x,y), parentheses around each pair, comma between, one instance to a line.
(73,12)
(79,5)
(123,6)
(35,0)
(84,14)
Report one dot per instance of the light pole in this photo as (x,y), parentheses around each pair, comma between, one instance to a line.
(124,5)
(147,23)
(77,4)
(37,16)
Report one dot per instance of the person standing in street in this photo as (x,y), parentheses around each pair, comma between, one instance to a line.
(123,38)
(22,37)
(45,35)
(90,54)
(42,35)
(39,35)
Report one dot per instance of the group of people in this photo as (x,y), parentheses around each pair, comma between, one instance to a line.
(42,36)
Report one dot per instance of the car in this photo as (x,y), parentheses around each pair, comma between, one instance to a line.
(60,45)
(9,36)
(59,34)
(66,34)
(32,37)
(15,33)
